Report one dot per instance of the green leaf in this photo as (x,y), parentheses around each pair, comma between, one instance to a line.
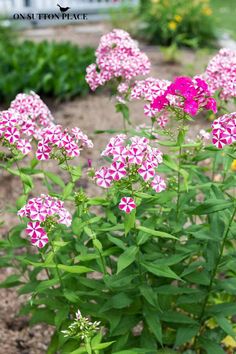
(53,345)
(154,323)
(45,284)
(224,309)
(225,325)
(124,110)
(104,345)
(176,317)
(210,347)
(160,270)
(211,206)
(21,201)
(11,281)
(61,315)
(185,334)
(27,181)
(126,258)
(97,244)
(76,173)
(75,269)
(55,179)
(135,351)
(156,233)
(150,295)
(129,221)
(42,316)
(67,190)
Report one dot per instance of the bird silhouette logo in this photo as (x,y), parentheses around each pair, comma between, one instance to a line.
(63,9)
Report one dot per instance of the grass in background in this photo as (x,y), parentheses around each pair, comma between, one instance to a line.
(225,13)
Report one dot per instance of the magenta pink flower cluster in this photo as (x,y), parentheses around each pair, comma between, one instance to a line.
(149,90)
(221,74)
(224,130)
(24,119)
(38,210)
(55,138)
(131,157)
(189,95)
(117,56)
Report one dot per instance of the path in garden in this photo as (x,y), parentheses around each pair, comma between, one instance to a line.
(95,111)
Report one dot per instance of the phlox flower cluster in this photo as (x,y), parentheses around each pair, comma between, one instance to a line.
(148,90)
(224,130)
(24,119)
(33,112)
(117,56)
(133,160)
(12,135)
(55,139)
(220,74)
(187,95)
(38,210)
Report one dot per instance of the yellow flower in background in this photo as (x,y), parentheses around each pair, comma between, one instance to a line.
(172,25)
(207,11)
(233,166)
(155,1)
(178,18)
(211,323)
(229,341)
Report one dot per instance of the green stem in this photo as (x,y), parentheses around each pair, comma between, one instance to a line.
(103,263)
(68,169)
(214,271)
(43,259)
(178,181)
(124,125)
(18,168)
(57,269)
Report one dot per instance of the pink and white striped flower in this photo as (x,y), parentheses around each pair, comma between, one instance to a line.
(224,130)
(146,171)
(135,156)
(38,210)
(12,134)
(120,153)
(127,204)
(158,184)
(117,170)
(40,240)
(24,146)
(34,229)
(103,177)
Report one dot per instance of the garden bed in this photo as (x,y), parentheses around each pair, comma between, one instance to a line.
(95,112)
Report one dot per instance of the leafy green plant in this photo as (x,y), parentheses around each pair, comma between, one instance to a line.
(186,23)
(149,266)
(49,68)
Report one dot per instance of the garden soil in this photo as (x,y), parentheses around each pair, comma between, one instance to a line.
(94,112)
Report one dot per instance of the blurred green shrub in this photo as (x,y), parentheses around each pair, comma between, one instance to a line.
(184,22)
(49,68)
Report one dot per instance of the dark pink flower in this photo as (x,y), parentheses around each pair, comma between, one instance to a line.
(159,103)
(191,107)
(211,104)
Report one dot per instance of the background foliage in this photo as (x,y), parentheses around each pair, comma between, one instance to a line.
(48,68)
(188,23)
